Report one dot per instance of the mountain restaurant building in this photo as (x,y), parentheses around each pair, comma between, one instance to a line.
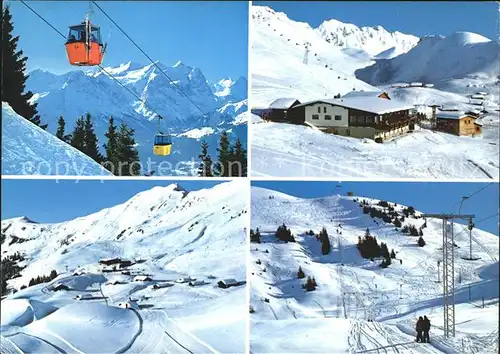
(360,117)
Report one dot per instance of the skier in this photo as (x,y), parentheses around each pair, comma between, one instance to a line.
(426,327)
(419,328)
(401,261)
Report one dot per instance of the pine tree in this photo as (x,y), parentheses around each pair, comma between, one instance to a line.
(128,157)
(238,160)
(111,147)
(255,236)
(91,143)
(300,273)
(221,168)
(393,254)
(78,136)
(421,241)
(206,164)
(325,241)
(13,76)
(309,285)
(61,129)
(384,250)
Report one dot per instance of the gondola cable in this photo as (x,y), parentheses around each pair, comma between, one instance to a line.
(150,59)
(100,67)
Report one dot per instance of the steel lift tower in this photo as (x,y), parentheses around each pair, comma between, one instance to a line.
(449,268)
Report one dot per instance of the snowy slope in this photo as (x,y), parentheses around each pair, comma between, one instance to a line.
(439,59)
(29,150)
(277,61)
(352,290)
(372,40)
(177,233)
(75,93)
(296,150)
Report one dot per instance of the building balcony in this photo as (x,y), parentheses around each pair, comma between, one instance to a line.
(388,124)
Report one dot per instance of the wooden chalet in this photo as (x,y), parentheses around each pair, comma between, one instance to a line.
(280,110)
(458,123)
(227,283)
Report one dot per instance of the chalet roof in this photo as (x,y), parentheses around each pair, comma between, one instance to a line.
(452,115)
(366,104)
(283,103)
(228,281)
(363,94)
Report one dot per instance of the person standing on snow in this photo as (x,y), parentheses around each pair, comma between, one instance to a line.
(427,328)
(419,328)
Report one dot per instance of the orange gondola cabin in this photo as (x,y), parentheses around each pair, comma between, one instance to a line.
(84,45)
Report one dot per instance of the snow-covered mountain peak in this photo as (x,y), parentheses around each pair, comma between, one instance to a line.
(464,38)
(372,40)
(179,64)
(439,60)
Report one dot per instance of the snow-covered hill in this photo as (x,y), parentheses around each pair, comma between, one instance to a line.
(169,233)
(73,94)
(29,150)
(438,60)
(364,307)
(375,41)
(277,56)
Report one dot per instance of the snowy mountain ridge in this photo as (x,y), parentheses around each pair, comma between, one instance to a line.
(75,93)
(369,306)
(74,90)
(439,60)
(168,235)
(372,40)
(141,227)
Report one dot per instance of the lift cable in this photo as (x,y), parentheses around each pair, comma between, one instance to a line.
(151,60)
(473,194)
(104,70)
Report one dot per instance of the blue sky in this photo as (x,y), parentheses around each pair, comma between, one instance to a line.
(418,18)
(210,35)
(56,201)
(436,197)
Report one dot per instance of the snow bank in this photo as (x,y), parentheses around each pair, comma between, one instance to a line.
(83,324)
(21,312)
(29,150)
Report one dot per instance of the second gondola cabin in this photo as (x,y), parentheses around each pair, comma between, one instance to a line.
(84,45)
(162,145)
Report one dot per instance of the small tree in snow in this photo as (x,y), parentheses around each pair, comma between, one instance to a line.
(421,241)
(300,273)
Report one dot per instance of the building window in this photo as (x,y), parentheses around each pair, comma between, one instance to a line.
(328,117)
(324,109)
(338,117)
(319,109)
(315,116)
